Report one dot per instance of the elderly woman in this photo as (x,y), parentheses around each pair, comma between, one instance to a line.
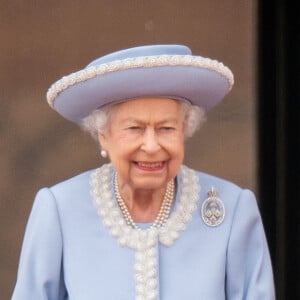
(144,226)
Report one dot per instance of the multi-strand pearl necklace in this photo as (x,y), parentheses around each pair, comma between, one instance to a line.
(163,213)
(144,241)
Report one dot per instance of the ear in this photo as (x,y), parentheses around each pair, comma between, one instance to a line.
(102,138)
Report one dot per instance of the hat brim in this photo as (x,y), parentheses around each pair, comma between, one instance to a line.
(204,86)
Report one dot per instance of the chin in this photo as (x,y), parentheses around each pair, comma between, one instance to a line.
(150,184)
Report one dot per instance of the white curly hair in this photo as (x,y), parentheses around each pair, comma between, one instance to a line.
(97,121)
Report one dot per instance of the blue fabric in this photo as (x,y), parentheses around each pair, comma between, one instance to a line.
(147,50)
(68,254)
(201,85)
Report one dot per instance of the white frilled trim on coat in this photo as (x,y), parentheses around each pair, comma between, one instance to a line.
(144,241)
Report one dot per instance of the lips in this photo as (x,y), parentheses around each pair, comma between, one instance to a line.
(150,166)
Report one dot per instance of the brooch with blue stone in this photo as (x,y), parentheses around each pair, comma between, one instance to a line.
(213,210)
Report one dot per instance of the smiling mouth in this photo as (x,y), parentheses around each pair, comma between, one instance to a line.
(150,166)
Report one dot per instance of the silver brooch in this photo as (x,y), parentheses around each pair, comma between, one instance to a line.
(213,210)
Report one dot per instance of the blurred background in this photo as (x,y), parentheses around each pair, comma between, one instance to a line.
(41,41)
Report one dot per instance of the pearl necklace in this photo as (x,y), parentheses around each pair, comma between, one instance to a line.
(163,213)
(144,242)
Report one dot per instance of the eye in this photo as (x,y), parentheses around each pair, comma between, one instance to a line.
(134,128)
(167,128)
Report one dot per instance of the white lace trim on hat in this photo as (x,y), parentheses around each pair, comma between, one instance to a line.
(139,62)
(144,241)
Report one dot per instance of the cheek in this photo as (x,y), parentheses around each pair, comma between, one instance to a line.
(119,143)
(121,152)
(176,148)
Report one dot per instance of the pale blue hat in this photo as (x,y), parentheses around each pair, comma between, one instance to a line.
(169,71)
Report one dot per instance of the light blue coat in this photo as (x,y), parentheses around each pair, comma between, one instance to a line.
(67,253)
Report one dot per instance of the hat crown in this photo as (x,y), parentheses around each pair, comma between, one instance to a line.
(164,70)
(151,50)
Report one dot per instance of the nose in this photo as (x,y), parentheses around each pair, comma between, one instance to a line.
(150,143)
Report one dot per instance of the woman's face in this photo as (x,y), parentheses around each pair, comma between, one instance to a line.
(145,142)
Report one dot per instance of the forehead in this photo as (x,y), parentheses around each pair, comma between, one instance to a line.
(154,108)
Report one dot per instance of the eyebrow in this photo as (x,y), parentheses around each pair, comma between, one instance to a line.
(137,120)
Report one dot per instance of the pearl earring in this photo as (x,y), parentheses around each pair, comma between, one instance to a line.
(103,153)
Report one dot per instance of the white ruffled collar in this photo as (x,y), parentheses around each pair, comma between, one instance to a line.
(144,241)
(112,218)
